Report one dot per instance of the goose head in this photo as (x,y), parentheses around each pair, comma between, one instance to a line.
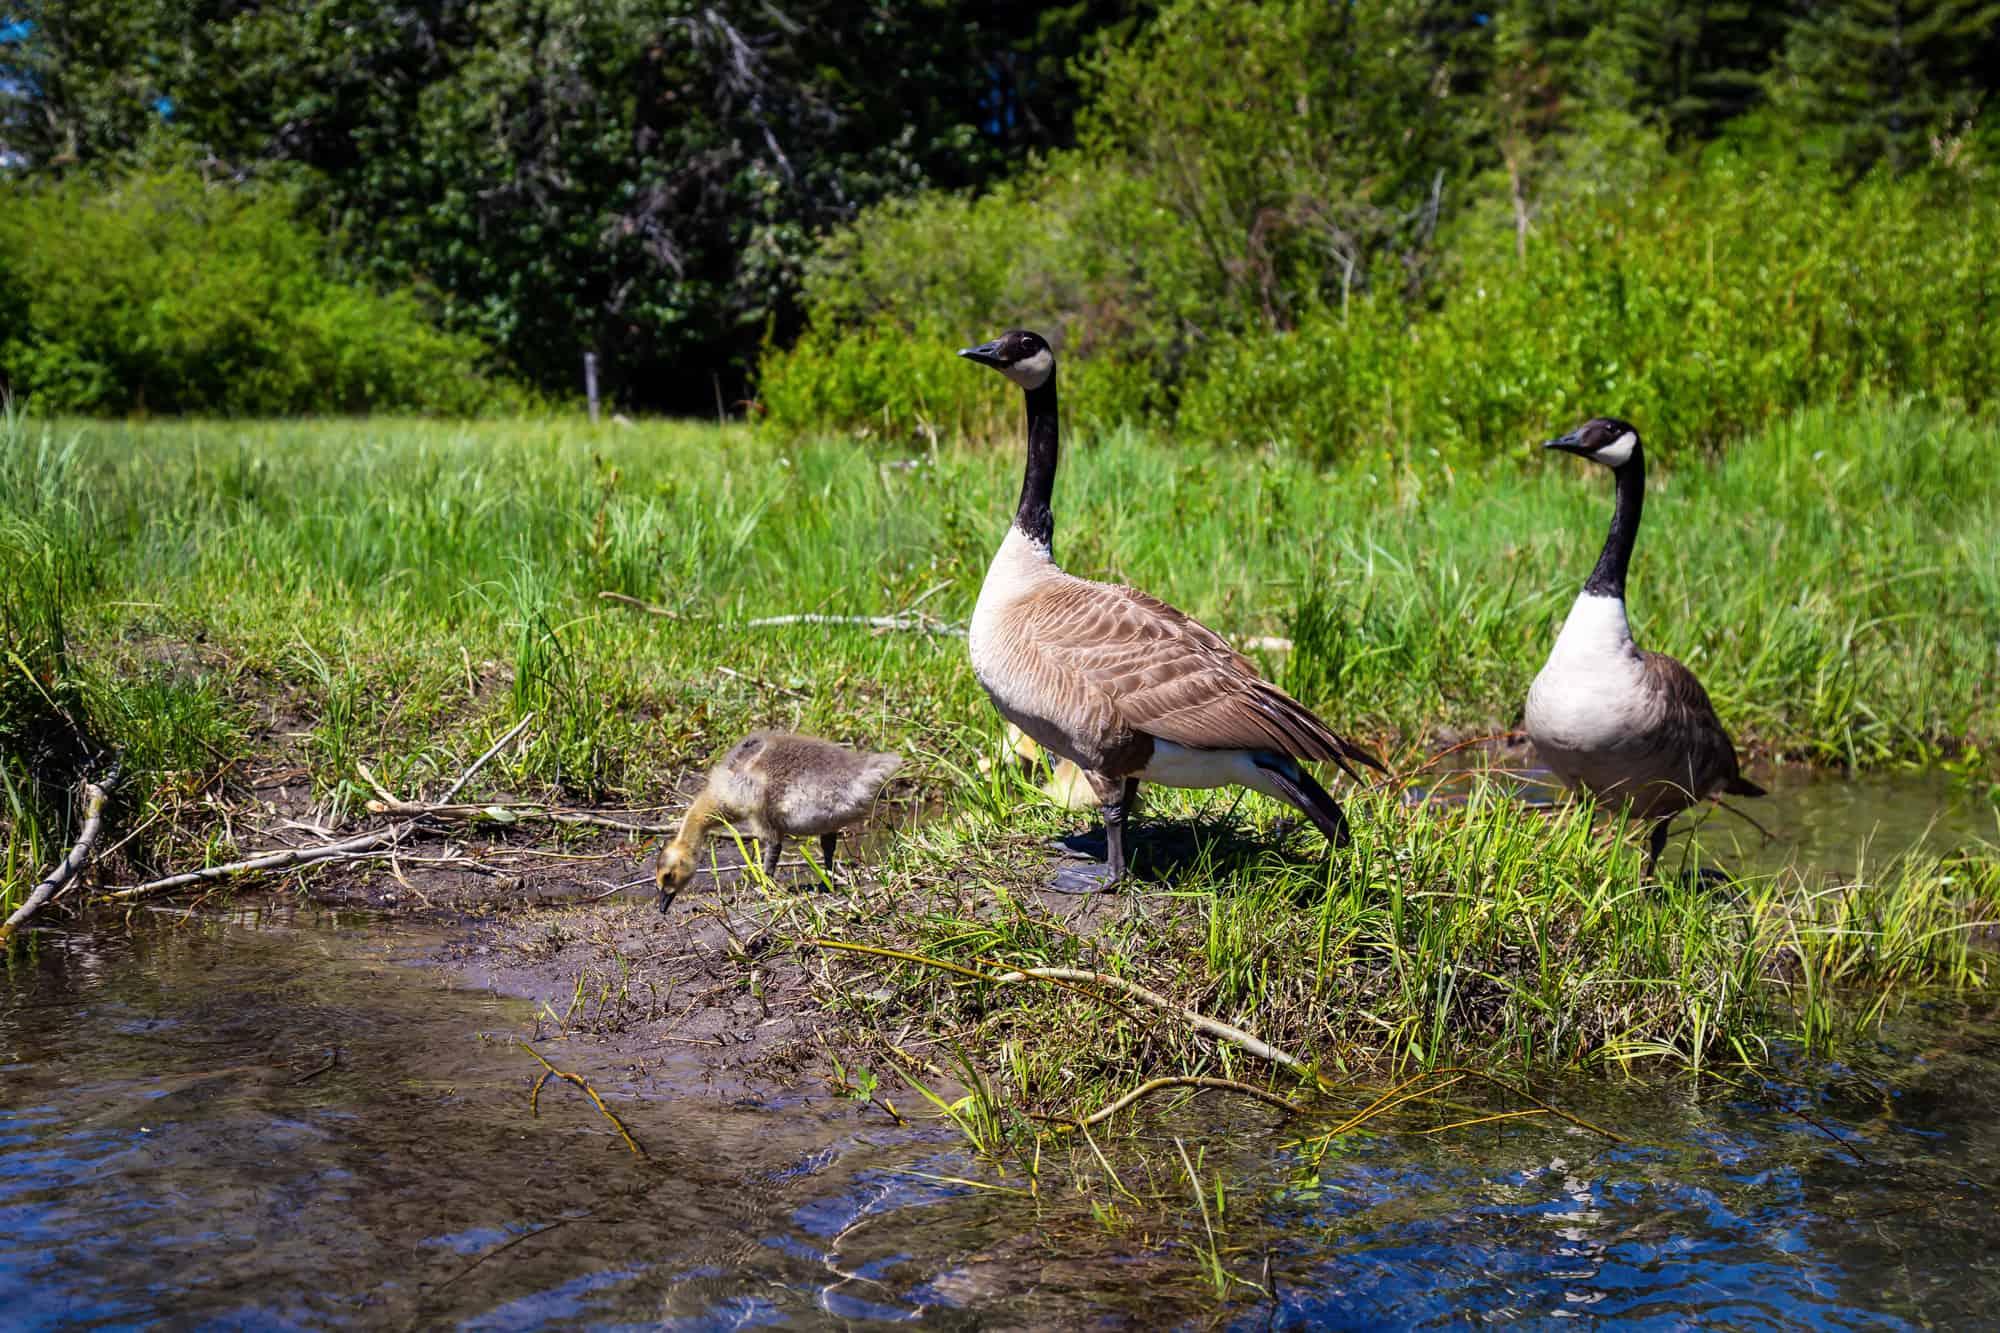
(675,867)
(1023,357)
(1605,440)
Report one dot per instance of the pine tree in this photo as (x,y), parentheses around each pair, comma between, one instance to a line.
(1700,63)
(1883,79)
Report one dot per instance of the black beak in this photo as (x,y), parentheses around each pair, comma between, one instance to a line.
(1567,443)
(986,354)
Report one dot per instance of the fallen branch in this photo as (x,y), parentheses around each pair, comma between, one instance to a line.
(480,762)
(507,812)
(1151,1086)
(534,1097)
(287,859)
(94,796)
(1256,1046)
(915,624)
(608,596)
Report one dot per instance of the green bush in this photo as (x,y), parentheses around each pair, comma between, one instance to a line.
(161,292)
(1718,297)
(1717,300)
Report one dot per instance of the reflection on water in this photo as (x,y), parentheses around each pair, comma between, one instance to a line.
(278,1119)
(1833,823)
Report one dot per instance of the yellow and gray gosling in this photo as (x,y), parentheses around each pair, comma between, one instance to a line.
(775,785)
(1631,726)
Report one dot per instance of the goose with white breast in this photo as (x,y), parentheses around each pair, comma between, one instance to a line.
(1606,715)
(1123,685)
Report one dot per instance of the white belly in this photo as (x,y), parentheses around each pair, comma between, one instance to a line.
(1589,711)
(1179,766)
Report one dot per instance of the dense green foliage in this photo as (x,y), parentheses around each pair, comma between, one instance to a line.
(167,293)
(1346,226)
(679,185)
(640,178)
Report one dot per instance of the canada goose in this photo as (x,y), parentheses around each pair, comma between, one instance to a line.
(1120,683)
(775,785)
(1607,715)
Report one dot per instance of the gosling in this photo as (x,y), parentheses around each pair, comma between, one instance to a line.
(775,785)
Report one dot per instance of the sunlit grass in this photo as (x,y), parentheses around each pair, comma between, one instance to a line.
(398,594)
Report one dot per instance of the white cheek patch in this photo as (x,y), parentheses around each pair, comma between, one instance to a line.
(1619,452)
(1031,372)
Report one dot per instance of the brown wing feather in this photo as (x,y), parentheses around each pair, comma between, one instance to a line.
(1690,725)
(1173,678)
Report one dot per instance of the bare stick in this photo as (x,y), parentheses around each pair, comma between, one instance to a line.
(515,809)
(94,797)
(915,624)
(1768,835)
(588,1091)
(286,859)
(1151,1086)
(480,762)
(608,596)
(1256,1046)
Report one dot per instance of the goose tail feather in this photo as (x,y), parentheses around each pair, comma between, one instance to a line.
(1313,800)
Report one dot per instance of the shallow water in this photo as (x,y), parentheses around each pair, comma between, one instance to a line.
(1816,819)
(281,1118)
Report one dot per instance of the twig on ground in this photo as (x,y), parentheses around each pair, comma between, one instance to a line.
(1256,1046)
(1151,1086)
(378,842)
(515,810)
(480,762)
(94,796)
(914,624)
(762,684)
(608,596)
(1466,745)
(534,1097)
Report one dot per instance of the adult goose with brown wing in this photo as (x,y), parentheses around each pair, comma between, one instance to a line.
(1606,715)
(1125,686)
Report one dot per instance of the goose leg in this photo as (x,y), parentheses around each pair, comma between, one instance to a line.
(1656,844)
(774,847)
(826,844)
(1118,798)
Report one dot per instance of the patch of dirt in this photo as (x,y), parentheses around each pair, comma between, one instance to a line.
(702,994)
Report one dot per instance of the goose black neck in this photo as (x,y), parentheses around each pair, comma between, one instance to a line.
(1608,579)
(1034,517)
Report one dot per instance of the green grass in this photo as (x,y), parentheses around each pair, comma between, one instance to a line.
(397,594)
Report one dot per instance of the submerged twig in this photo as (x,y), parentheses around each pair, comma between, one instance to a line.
(1151,1086)
(1451,1074)
(95,794)
(588,1091)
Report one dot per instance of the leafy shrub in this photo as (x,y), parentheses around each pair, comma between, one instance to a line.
(161,292)
(1717,297)
(1717,300)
